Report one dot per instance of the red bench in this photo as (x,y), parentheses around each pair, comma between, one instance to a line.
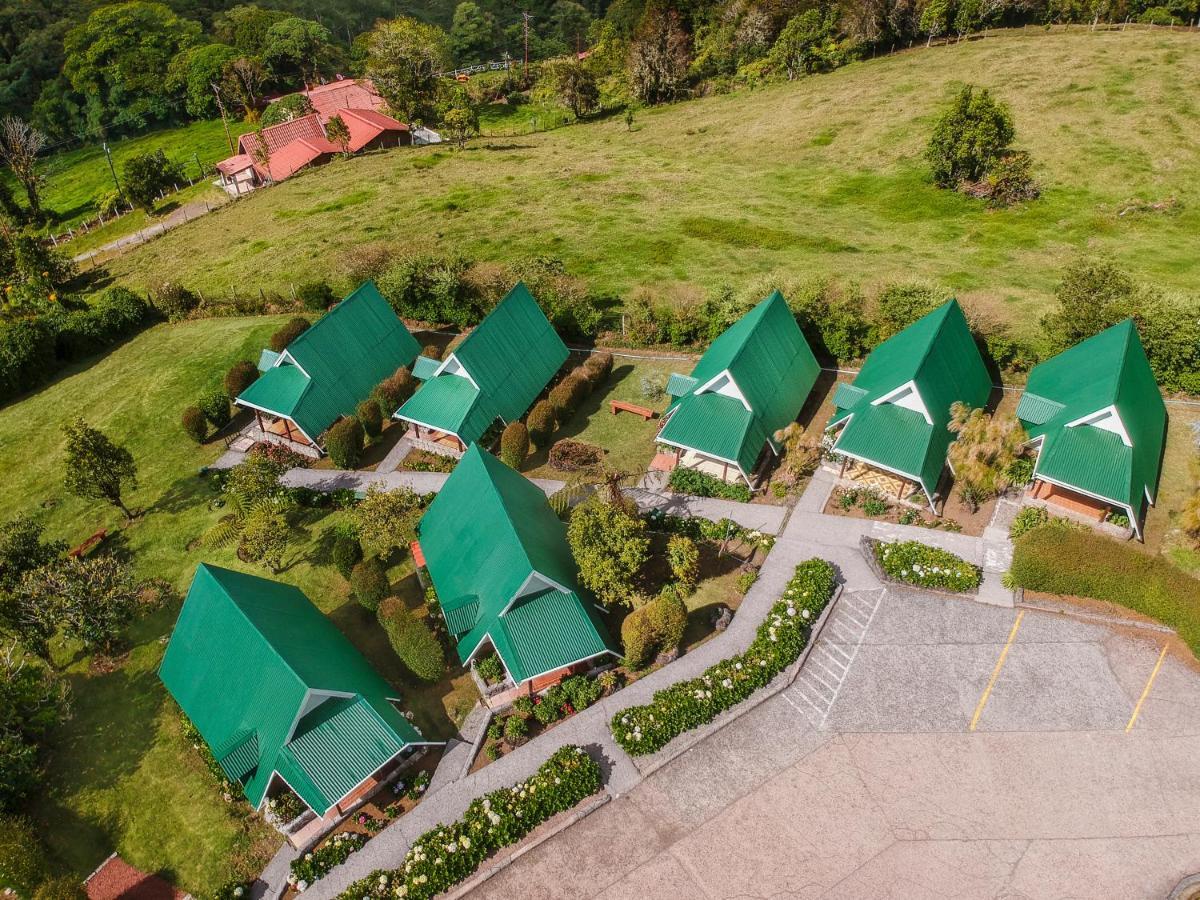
(78,552)
(622,406)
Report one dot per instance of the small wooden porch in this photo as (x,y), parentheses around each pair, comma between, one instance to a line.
(888,484)
(433,441)
(267,429)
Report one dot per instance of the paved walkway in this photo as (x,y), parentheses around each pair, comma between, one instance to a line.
(757,516)
(421,482)
(177,217)
(395,456)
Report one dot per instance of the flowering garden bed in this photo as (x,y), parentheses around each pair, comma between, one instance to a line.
(448,854)
(912,562)
(781,638)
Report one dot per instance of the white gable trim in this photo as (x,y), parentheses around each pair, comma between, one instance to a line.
(306,708)
(500,656)
(896,397)
(284,354)
(530,586)
(460,370)
(278,415)
(733,391)
(396,415)
(1108,419)
(879,465)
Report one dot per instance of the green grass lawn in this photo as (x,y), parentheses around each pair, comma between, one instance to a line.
(76,178)
(508,119)
(823,176)
(120,777)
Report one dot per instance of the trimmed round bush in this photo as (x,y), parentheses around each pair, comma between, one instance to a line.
(288,332)
(346,553)
(563,398)
(215,406)
(316,295)
(195,424)
(540,422)
(344,443)
(585,383)
(391,393)
(240,376)
(637,637)
(598,367)
(412,640)
(667,618)
(369,583)
(370,417)
(514,444)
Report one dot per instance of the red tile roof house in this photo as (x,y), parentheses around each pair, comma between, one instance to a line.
(115,879)
(301,142)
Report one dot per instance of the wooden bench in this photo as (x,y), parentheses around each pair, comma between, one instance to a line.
(82,549)
(622,406)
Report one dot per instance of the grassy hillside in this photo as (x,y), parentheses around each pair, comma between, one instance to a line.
(822,176)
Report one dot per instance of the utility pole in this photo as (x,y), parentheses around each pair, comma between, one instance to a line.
(111,168)
(525,17)
(221,107)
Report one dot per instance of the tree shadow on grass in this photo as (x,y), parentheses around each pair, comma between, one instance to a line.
(184,494)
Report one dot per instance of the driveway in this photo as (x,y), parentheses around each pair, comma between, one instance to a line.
(931,748)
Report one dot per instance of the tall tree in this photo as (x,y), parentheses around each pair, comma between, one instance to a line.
(96,468)
(20,144)
(246,27)
(22,550)
(243,79)
(298,46)
(610,547)
(574,85)
(119,59)
(338,133)
(194,71)
(473,34)
(659,55)
(90,599)
(32,700)
(403,60)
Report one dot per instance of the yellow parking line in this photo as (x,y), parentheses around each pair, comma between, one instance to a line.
(987,691)
(1146,691)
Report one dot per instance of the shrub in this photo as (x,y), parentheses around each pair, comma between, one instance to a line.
(610,547)
(581,691)
(1029,518)
(1020,471)
(22,857)
(315,865)
(215,406)
(874,505)
(899,305)
(147,175)
(412,640)
(386,520)
(316,295)
(285,109)
(369,583)
(240,376)
(523,705)
(683,556)
(561,399)
(118,313)
(491,822)
(746,580)
(391,393)
(778,642)
(431,289)
(548,707)
(667,617)
(492,751)
(931,567)
(347,553)
(432,351)
(1081,563)
(344,443)
(194,424)
(288,332)
(574,456)
(540,422)
(1009,181)
(174,301)
(585,382)
(60,887)
(637,637)
(970,136)
(490,669)
(599,367)
(370,418)
(495,730)
(516,730)
(514,444)
(701,484)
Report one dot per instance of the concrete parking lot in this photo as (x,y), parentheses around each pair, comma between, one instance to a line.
(930,748)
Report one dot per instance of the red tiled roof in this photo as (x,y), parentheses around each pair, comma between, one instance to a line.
(235,164)
(277,136)
(117,880)
(365,125)
(328,99)
(295,156)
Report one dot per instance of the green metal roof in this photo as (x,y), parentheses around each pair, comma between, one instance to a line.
(1107,370)
(424,367)
(679,385)
(484,535)
(511,356)
(938,355)
(245,659)
(449,403)
(769,360)
(334,365)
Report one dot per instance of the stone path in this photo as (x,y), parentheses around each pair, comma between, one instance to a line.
(756,516)
(421,482)
(395,456)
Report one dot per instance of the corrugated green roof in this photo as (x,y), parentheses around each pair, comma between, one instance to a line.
(341,359)
(244,656)
(679,385)
(484,535)
(1107,370)
(938,355)
(424,367)
(772,365)
(449,403)
(511,356)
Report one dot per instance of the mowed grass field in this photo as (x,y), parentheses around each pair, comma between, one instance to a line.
(823,176)
(121,775)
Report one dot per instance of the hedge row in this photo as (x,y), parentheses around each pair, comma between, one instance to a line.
(448,854)
(32,350)
(919,564)
(318,863)
(1059,559)
(779,641)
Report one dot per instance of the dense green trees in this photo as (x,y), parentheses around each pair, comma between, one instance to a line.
(970,136)
(194,71)
(473,35)
(404,56)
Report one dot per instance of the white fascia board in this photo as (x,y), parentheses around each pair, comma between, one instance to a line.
(736,393)
(396,415)
(284,353)
(278,415)
(462,370)
(918,406)
(709,456)
(525,589)
(879,465)
(1104,415)
(496,650)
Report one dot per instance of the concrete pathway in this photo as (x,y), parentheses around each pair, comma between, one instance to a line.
(756,516)
(395,456)
(421,482)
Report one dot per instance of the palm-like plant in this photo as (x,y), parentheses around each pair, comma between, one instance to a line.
(259,525)
(983,452)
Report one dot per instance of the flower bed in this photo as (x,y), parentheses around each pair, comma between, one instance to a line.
(689,704)
(317,863)
(448,854)
(701,484)
(701,529)
(919,564)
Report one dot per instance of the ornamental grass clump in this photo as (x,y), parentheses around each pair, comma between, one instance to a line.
(448,854)
(779,641)
(916,563)
(317,863)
